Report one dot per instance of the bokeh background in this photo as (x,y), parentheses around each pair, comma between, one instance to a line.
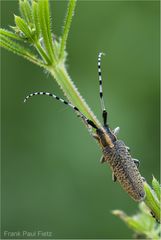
(51,176)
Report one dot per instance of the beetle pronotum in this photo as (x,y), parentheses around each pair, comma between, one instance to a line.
(115,152)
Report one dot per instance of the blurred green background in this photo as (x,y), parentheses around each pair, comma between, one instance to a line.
(51,176)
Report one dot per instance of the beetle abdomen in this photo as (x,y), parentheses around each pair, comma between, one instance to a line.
(125,169)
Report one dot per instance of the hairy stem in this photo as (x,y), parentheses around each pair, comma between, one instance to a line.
(71,92)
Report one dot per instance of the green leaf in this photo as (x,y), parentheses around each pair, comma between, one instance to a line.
(22,25)
(26,11)
(152,201)
(10,45)
(156,187)
(44,21)
(66,28)
(49,51)
(142,223)
(131,222)
(42,53)
(9,34)
(35,18)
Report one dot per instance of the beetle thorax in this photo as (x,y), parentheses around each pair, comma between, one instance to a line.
(105,137)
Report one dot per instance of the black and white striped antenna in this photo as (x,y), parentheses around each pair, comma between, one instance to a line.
(88,121)
(104,112)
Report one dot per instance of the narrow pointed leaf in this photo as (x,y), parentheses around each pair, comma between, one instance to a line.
(44,21)
(4,32)
(19,50)
(156,187)
(141,223)
(152,201)
(25,10)
(28,10)
(21,3)
(42,53)
(22,25)
(66,28)
(35,18)
(132,223)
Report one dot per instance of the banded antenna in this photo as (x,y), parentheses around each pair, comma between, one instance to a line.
(104,112)
(88,121)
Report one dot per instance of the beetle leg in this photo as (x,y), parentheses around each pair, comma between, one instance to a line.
(116,130)
(128,149)
(102,160)
(137,162)
(143,179)
(86,123)
(96,136)
(114,178)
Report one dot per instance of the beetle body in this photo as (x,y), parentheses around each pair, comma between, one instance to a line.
(125,170)
(123,166)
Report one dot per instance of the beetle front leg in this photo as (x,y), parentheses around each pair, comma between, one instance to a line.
(96,137)
(116,130)
(137,162)
(114,178)
(128,149)
(102,160)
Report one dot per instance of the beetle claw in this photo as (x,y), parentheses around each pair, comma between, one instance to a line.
(116,130)
(102,160)
(137,162)
(114,178)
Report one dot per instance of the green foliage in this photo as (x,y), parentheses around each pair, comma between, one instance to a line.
(6,42)
(66,28)
(156,187)
(146,222)
(9,35)
(152,198)
(33,30)
(25,11)
(35,16)
(44,22)
(24,28)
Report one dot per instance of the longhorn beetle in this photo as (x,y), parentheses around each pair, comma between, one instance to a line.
(115,152)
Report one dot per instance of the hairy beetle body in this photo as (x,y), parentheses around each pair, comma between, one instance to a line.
(124,169)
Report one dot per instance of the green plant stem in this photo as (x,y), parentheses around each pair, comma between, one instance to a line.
(42,52)
(66,28)
(71,92)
